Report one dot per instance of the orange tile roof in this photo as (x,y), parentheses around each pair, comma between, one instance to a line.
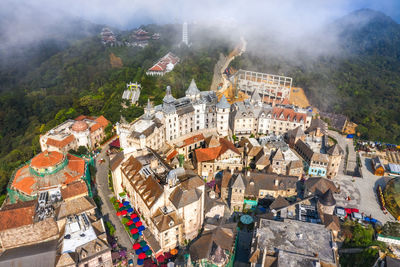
(13,218)
(288,114)
(28,183)
(172,155)
(206,154)
(47,159)
(101,122)
(74,189)
(193,139)
(24,184)
(76,164)
(226,144)
(82,117)
(62,143)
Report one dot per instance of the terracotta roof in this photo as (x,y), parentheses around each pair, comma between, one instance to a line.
(74,189)
(76,166)
(60,143)
(288,114)
(14,217)
(211,153)
(206,154)
(79,126)
(27,183)
(227,145)
(212,141)
(101,122)
(47,159)
(82,117)
(172,155)
(193,139)
(161,65)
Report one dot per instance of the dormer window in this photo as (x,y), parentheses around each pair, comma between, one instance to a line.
(171,223)
(97,247)
(83,253)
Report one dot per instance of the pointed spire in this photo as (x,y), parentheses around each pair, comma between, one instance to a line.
(149,106)
(148,109)
(255,97)
(223,103)
(168,98)
(192,89)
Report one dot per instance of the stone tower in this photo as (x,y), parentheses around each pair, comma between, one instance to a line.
(223,109)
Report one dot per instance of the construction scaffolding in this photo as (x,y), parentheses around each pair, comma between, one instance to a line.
(267,85)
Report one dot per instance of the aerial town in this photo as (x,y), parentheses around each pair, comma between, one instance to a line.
(246,174)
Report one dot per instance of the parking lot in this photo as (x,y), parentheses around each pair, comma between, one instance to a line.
(362,192)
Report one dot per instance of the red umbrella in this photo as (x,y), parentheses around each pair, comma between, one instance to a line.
(129,223)
(142,256)
(120,205)
(124,212)
(138,224)
(160,258)
(167,255)
(134,231)
(133,215)
(118,213)
(136,246)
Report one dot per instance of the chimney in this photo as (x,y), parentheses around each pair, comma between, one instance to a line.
(276,182)
(46,153)
(248,173)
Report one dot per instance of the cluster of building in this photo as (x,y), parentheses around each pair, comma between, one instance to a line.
(83,131)
(182,172)
(49,217)
(183,124)
(164,65)
(108,37)
(141,38)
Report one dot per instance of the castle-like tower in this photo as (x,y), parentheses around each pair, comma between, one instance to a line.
(223,109)
(185,37)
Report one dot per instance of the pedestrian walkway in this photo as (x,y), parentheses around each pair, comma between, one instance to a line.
(109,214)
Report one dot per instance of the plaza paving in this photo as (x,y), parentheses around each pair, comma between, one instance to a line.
(361,192)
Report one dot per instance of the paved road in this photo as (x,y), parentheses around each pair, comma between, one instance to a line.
(368,186)
(343,142)
(107,208)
